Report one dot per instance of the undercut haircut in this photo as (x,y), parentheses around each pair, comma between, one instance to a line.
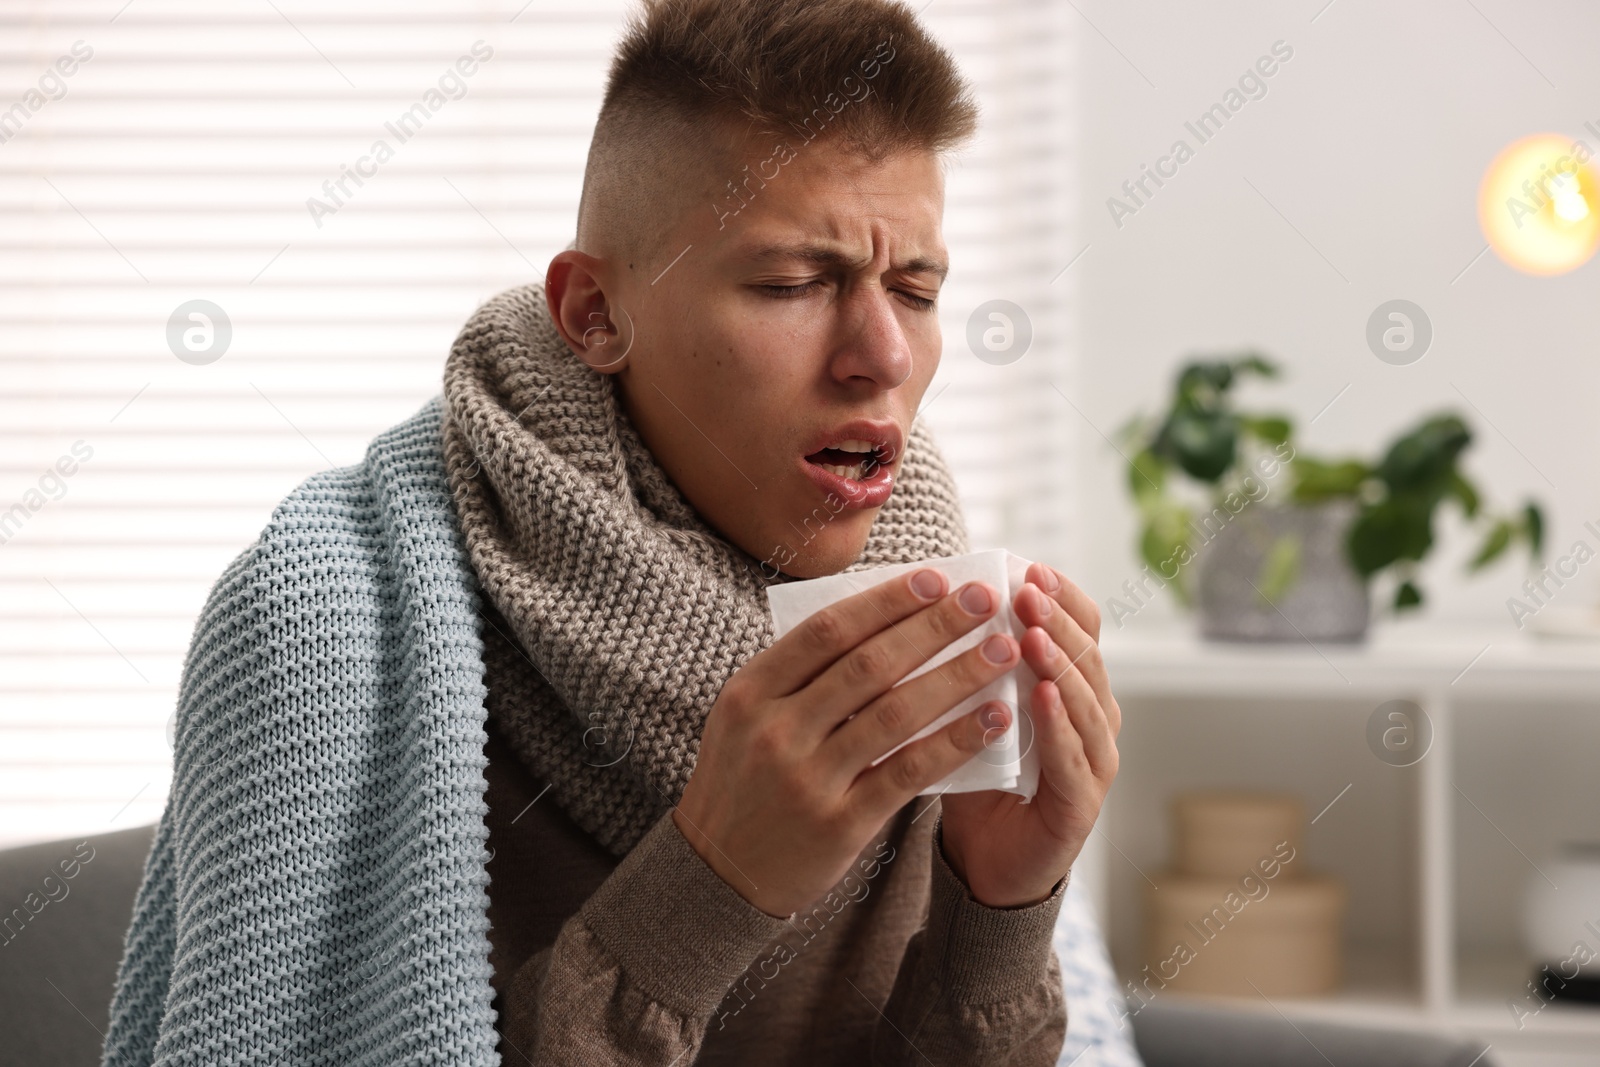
(702,91)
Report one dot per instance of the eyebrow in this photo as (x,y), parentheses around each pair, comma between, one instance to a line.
(824,256)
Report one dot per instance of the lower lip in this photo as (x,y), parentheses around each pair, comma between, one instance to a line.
(869,492)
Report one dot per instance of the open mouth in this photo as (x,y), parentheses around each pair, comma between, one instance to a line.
(854,459)
(855,463)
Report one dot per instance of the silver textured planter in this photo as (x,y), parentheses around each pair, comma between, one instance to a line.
(1327,601)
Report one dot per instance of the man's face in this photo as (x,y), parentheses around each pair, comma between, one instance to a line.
(800,322)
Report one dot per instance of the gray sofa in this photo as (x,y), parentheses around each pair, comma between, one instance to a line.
(58,966)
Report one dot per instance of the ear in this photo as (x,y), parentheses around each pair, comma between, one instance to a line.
(598,330)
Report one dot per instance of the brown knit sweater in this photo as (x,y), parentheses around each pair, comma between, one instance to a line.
(600,963)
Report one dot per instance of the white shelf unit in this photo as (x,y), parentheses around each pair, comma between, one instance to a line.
(1434,853)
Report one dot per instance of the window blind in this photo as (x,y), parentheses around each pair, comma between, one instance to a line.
(158,154)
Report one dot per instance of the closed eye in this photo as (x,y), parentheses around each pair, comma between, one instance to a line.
(790,292)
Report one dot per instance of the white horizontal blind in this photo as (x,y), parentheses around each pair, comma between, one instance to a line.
(174,163)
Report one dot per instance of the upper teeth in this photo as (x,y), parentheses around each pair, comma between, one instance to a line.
(855,445)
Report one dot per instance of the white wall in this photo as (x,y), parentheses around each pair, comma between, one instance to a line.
(1371,141)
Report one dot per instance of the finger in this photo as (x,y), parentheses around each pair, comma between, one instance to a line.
(1078,604)
(881,791)
(874,666)
(1063,765)
(795,659)
(1048,661)
(910,706)
(1082,651)
(1088,720)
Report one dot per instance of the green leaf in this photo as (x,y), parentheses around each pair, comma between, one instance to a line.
(1129,433)
(1316,480)
(1279,569)
(1464,492)
(1147,475)
(1533,529)
(1423,459)
(1407,596)
(1164,543)
(1493,545)
(1205,379)
(1203,445)
(1390,530)
(1273,429)
(1258,363)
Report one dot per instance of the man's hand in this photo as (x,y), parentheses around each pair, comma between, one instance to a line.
(783,797)
(1012,854)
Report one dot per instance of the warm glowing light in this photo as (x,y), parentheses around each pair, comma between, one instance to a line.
(1570,206)
(1539,204)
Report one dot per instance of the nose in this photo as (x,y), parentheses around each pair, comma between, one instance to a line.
(874,347)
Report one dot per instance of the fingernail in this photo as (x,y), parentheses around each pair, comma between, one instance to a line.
(1051,649)
(1048,580)
(927,583)
(997,650)
(995,716)
(1044,601)
(975,598)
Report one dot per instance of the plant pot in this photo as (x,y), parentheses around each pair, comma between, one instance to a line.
(1326,600)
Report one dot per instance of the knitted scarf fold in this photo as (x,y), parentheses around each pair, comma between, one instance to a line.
(615,613)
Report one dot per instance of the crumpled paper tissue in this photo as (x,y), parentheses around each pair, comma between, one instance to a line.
(1008,762)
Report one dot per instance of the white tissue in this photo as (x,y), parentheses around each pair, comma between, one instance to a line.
(1009,762)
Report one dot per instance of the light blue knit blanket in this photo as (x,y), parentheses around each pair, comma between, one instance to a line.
(316,891)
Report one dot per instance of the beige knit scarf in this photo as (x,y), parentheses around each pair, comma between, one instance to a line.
(614,613)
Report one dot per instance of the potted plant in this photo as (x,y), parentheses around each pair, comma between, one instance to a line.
(1299,565)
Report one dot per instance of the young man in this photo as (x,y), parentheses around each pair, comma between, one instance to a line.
(758,259)
(536,614)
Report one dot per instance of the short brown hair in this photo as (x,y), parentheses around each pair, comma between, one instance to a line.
(692,78)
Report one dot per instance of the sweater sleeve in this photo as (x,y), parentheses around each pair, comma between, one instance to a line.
(977,985)
(636,974)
